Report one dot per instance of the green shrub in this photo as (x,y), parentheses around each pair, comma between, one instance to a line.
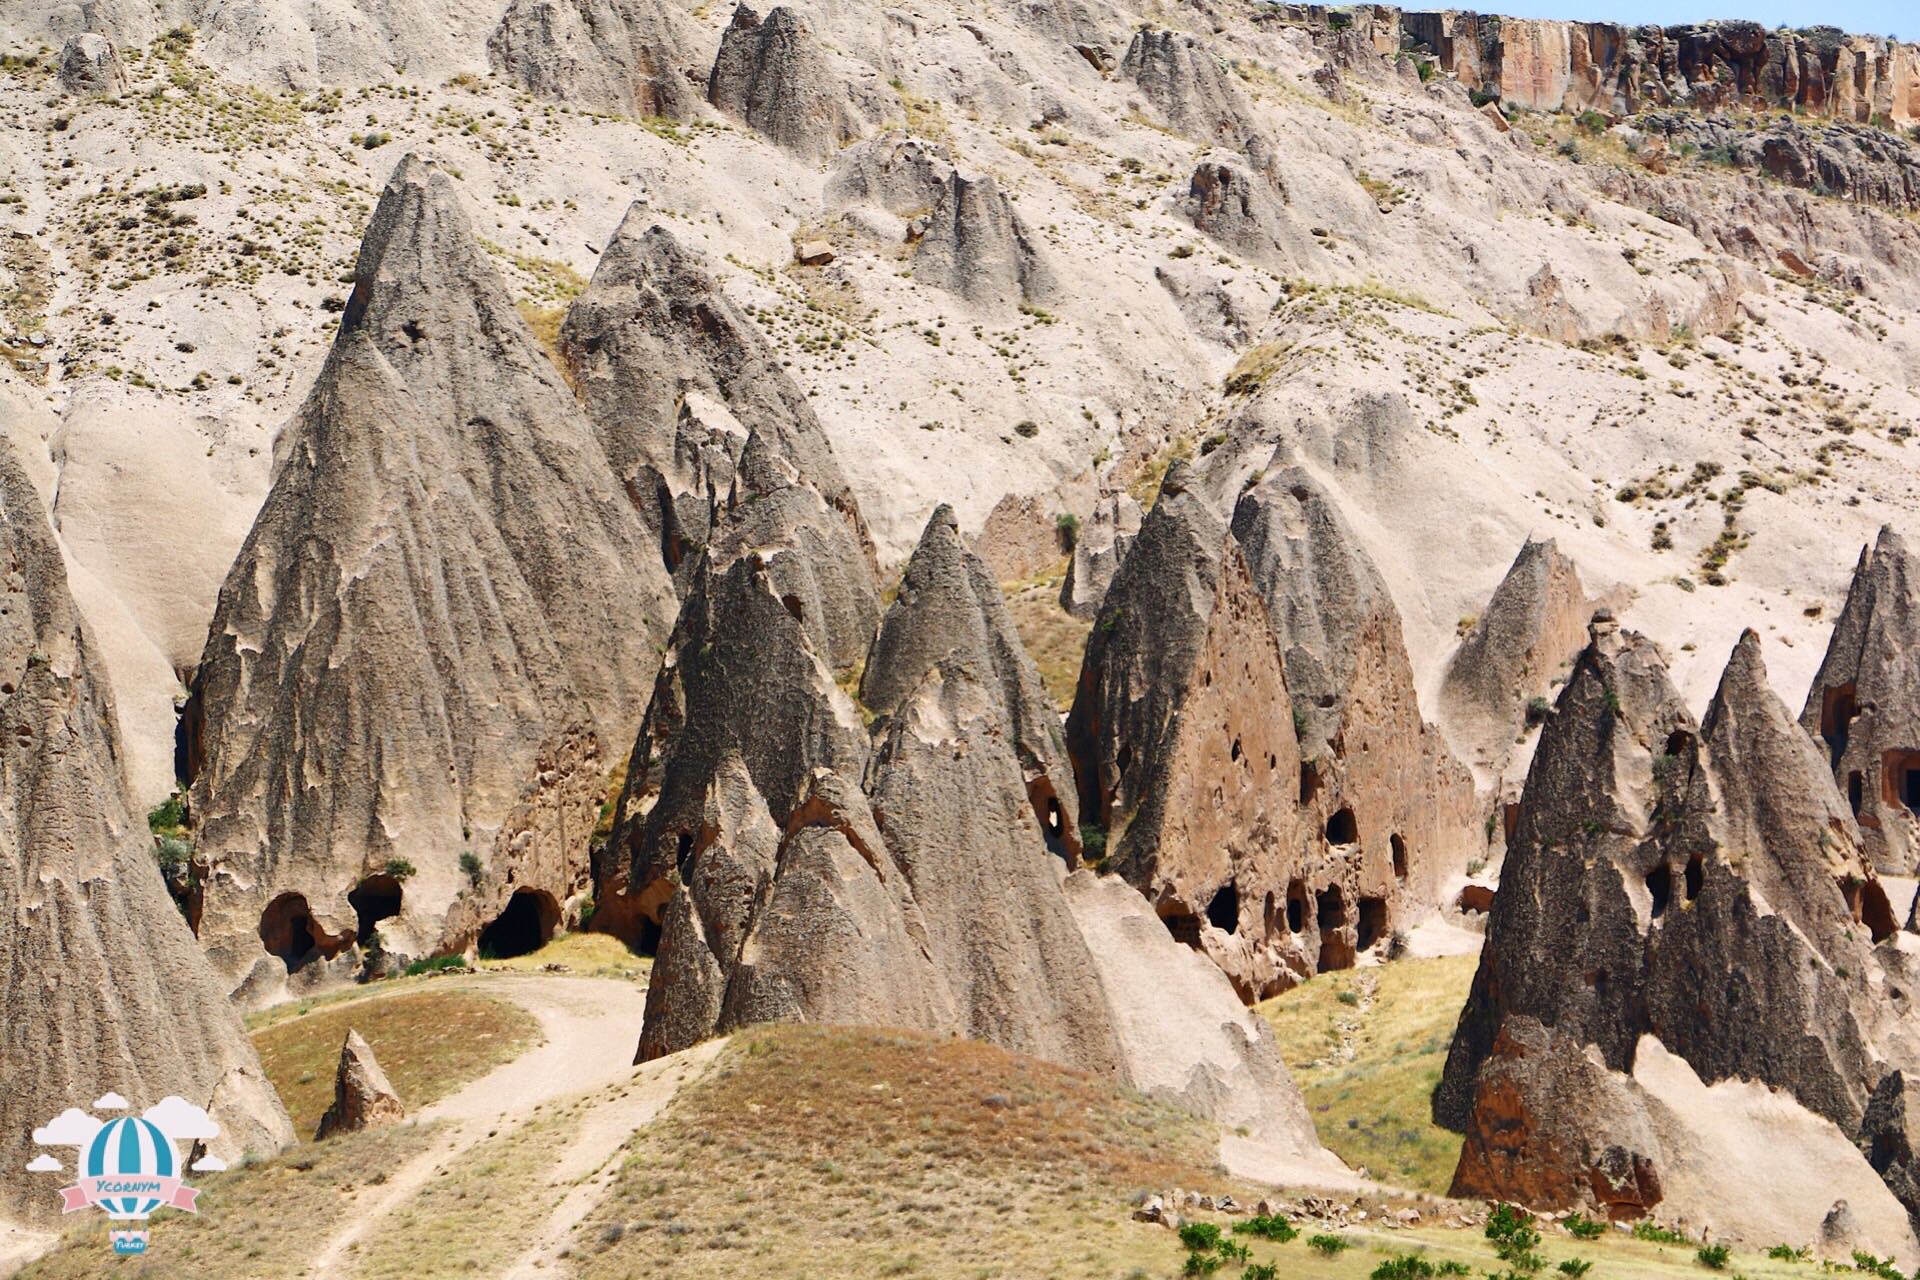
(1787,1253)
(1267,1227)
(1200,1264)
(470,866)
(1093,843)
(173,853)
(400,868)
(1575,1267)
(1349,997)
(1713,1255)
(1882,1267)
(1199,1235)
(171,815)
(1644,1229)
(1329,1246)
(1261,1271)
(419,967)
(1584,1228)
(1404,1266)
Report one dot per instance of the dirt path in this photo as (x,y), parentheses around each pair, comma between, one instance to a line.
(591,1027)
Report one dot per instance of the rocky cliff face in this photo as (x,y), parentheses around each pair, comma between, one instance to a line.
(632,57)
(977,246)
(776,77)
(1864,706)
(102,987)
(446,610)
(1672,891)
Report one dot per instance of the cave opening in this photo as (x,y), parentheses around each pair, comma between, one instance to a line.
(1660,885)
(1838,711)
(287,930)
(1695,876)
(525,925)
(1399,847)
(374,899)
(1223,912)
(1372,925)
(1342,828)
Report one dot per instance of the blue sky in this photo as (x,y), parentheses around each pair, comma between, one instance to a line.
(1876,17)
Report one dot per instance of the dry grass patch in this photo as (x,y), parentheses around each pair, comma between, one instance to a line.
(257,1222)
(1055,639)
(428,1042)
(585,955)
(832,1152)
(1367,1047)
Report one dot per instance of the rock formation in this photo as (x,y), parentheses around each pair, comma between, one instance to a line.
(894,171)
(362,1098)
(90,64)
(627,57)
(776,77)
(1241,210)
(446,610)
(675,378)
(1864,705)
(1526,636)
(1091,28)
(1887,1135)
(1845,160)
(978,247)
(102,988)
(1098,548)
(1186,82)
(1679,903)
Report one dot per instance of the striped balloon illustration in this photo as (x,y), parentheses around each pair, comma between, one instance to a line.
(131,1147)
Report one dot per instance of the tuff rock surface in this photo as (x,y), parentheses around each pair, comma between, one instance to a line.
(362,1096)
(1098,549)
(631,57)
(1864,705)
(447,610)
(90,64)
(774,75)
(977,247)
(102,988)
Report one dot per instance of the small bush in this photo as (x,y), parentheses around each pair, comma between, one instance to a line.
(1260,1271)
(1715,1256)
(1349,997)
(1575,1267)
(171,815)
(1067,525)
(400,868)
(1026,428)
(1538,709)
(1405,1266)
(1199,1235)
(1329,1246)
(1201,1264)
(1645,1230)
(1093,843)
(419,967)
(1787,1253)
(470,866)
(1882,1267)
(1267,1227)
(173,853)
(1584,1228)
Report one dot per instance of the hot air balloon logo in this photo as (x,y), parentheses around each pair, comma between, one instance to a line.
(130,1166)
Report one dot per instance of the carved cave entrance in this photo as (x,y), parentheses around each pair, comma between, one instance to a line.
(530,917)
(1336,952)
(287,930)
(374,899)
(1838,710)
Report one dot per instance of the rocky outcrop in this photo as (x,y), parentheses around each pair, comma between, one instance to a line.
(1098,548)
(90,64)
(978,247)
(1188,85)
(1242,211)
(1679,903)
(362,1097)
(102,988)
(675,379)
(1887,1135)
(626,57)
(1864,704)
(775,76)
(1091,28)
(1845,160)
(799,870)
(1527,636)
(894,171)
(446,610)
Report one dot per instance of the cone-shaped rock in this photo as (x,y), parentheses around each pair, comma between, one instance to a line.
(1529,633)
(1865,702)
(1680,905)
(1241,210)
(628,57)
(776,76)
(1098,548)
(443,620)
(90,64)
(362,1097)
(977,246)
(1186,82)
(102,988)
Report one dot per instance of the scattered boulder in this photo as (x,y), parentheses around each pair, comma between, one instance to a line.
(977,247)
(776,77)
(813,253)
(94,957)
(89,64)
(362,1098)
(446,607)
(1864,705)
(627,57)
(1098,550)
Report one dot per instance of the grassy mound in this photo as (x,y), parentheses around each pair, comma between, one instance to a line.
(429,1042)
(585,955)
(1367,1047)
(833,1152)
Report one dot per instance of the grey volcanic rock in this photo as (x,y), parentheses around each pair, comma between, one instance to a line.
(362,1096)
(90,64)
(1698,888)
(1098,550)
(1090,28)
(675,378)
(1242,211)
(630,57)
(775,76)
(1185,81)
(1887,1135)
(894,171)
(1529,632)
(446,609)
(1864,704)
(102,987)
(977,246)
(1849,161)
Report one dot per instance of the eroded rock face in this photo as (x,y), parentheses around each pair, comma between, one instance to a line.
(1187,84)
(1529,633)
(1887,1136)
(90,64)
(1098,549)
(102,987)
(905,175)
(775,76)
(362,1096)
(1679,902)
(1849,161)
(446,610)
(1242,211)
(977,246)
(1864,704)
(629,57)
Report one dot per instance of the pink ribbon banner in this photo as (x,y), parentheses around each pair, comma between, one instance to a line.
(170,1192)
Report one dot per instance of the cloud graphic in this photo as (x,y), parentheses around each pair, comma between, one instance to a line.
(43,1164)
(110,1102)
(181,1120)
(71,1128)
(209,1164)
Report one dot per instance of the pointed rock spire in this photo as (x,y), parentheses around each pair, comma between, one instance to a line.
(776,76)
(1098,548)
(102,988)
(978,247)
(628,57)
(362,1097)
(1186,82)
(1865,702)
(446,609)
